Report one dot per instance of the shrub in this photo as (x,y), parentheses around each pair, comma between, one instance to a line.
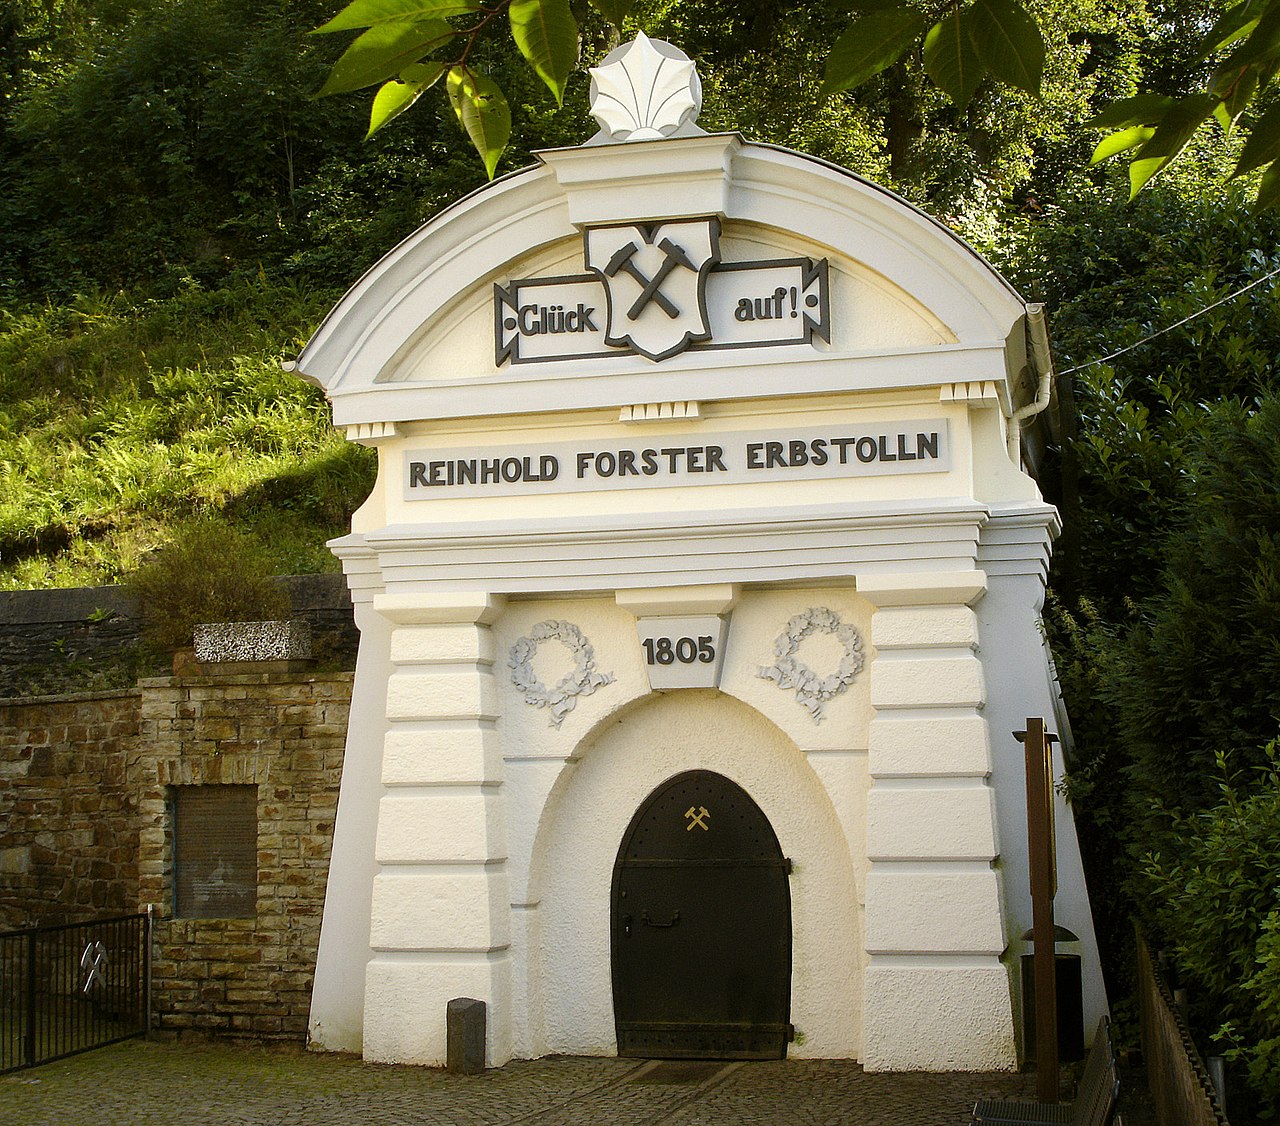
(209,573)
(1216,900)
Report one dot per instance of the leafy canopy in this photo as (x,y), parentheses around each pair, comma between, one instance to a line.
(398,36)
(405,46)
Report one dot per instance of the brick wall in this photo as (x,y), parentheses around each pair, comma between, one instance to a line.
(283,733)
(68,839)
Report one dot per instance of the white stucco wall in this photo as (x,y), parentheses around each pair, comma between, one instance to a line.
(575,853)
(612,751)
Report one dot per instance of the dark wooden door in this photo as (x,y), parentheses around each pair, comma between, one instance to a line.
(701,922)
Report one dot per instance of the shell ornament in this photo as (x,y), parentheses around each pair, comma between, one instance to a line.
(645,90)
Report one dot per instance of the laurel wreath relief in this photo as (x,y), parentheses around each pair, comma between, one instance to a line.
(562,697)
(812,690)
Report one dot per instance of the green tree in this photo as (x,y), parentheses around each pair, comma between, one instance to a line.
(1116,278)
(406,46)
(1216,908)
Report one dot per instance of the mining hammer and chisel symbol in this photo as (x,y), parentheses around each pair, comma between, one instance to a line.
(655,280)
(697,817)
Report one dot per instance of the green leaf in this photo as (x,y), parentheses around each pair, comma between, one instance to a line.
(1121,142)
(383,52)
(1263,42)
(483,112)
(951,59)
(1263,145)
(1009,43)
(371,13)
(1235,23)
(398,95)
(1236,87)
(547,35)
(1170,138)
(1141,109)
(615,11)
(871,43)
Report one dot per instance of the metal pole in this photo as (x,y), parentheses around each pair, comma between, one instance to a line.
(30,1038)
(146,966)
(1043,886)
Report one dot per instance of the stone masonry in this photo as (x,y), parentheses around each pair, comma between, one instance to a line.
(284,733)
(85,830)
(68,840)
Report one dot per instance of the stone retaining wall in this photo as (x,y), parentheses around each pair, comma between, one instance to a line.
(87,637)
(285,734)
(85,829)
(68,840)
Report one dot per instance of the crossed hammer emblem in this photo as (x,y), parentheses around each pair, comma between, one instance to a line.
(651,288)
(697,817)
(655,278)
(94,962)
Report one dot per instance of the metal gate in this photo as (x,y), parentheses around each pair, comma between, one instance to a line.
(701,926)
(68,989)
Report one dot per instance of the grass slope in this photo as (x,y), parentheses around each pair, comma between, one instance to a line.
(121,417)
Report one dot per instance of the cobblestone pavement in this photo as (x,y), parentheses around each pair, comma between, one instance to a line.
(156,1084)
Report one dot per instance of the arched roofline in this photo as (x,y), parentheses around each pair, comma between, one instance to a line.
(354,353)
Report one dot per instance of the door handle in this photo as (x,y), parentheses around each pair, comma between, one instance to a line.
(648,922)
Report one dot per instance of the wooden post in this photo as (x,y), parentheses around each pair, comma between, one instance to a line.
(1044,885)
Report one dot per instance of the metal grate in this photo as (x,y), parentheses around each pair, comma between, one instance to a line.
(215,852)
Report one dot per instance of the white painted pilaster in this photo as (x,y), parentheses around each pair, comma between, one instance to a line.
(440,905)
(336,1021)
(936,991)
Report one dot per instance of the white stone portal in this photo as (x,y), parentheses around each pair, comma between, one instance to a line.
(573,856)
(693,455)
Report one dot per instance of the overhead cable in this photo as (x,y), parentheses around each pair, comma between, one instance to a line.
(1170,328)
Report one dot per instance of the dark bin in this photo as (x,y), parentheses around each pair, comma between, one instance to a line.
(1070,998)
(465,1020)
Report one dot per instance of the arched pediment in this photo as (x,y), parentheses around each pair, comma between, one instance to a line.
(906,303)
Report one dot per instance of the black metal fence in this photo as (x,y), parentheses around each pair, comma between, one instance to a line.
(68,989)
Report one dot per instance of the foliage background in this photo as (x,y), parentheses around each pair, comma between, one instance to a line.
(177,211)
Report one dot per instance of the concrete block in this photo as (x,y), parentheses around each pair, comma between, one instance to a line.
(442,644)
(417,608)
(947,1016)
(923,627)
(948,682)
(430,828)
(253,641)
(928,912)
(445,756)
(923,588)
(946,823)
(466,694)
(462,910)
(915,747)
(406,1007)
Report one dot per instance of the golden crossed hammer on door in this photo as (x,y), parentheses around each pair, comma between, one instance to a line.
(698,818)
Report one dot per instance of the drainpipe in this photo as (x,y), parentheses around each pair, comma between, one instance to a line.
(1041,361)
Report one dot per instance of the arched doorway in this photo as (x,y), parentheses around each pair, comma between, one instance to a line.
(701,926)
